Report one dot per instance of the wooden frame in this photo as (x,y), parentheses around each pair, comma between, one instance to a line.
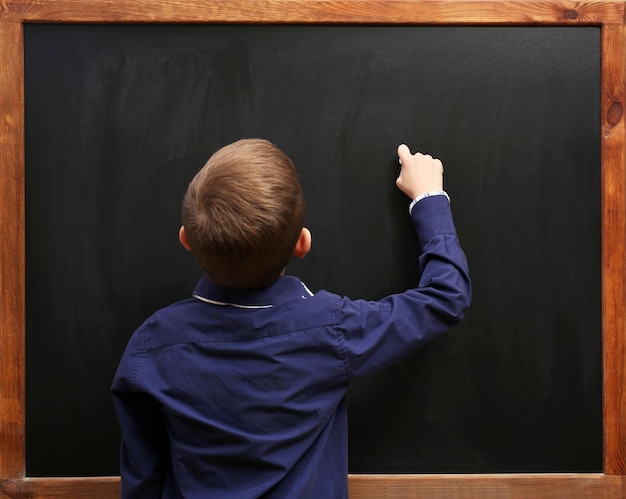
(607,14)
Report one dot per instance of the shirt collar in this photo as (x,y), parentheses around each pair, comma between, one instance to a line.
(284,289)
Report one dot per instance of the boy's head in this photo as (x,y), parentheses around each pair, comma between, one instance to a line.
(243,215)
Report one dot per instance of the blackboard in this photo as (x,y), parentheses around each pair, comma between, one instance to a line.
(118,118)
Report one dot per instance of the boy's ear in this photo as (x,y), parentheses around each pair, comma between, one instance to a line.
(303,246)
(182,237)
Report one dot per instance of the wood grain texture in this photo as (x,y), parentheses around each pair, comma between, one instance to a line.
(613,250)
(505,486)
(608,14)
(315,11)
(514,486)
(12,278)
(61,488)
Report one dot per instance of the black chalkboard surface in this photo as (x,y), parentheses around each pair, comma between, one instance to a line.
(118,119)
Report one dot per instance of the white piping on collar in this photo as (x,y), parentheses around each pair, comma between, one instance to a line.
(307,289)
(236,305)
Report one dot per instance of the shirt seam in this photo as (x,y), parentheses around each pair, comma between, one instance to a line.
(141,355)
(341,346)
(330,325)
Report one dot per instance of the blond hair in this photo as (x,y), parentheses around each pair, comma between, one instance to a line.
(243,213)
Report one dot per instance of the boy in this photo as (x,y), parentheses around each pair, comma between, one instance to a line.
(239,391)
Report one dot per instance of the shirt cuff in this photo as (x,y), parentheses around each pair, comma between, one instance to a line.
(425,195)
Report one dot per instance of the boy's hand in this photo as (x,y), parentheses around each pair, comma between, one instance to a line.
(419,173)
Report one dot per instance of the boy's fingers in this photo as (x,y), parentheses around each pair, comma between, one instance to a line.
(403,151)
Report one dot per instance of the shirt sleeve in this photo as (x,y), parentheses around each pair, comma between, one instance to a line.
(144,459)
(378,334)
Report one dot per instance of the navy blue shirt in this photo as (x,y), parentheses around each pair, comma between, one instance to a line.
(233,394)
